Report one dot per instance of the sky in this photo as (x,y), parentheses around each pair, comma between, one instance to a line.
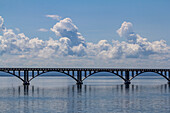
(85,33)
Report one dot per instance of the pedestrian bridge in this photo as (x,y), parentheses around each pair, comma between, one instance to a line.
(81,74)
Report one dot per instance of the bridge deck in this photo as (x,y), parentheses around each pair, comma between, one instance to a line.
(82,69)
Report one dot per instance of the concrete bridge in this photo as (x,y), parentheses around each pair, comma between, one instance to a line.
(80,74)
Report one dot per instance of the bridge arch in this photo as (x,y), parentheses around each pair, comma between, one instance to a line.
(53,71)
(149,71)
(13,75)
(103,71)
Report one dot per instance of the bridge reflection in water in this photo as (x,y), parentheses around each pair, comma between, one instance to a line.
(78,98)
(80,74)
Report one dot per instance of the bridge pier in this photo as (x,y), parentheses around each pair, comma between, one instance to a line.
(127,81)
(169,82)
(79,83)
(26,78)
(169,74)
(169,77)
(26,83)
(79,77)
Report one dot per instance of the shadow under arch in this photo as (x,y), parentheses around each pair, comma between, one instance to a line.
(151,72)
(53,71)
(103,71)
(13,75)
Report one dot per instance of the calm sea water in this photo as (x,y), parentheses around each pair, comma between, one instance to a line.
(98,94)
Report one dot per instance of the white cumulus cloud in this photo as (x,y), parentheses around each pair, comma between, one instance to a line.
(71,43)
(66,28)
(125,29)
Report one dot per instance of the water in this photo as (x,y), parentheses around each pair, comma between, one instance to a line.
(98,94)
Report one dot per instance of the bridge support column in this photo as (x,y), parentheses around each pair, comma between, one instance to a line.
(169,77)
(26,78)
(169,82)
(127,81)
(79,77)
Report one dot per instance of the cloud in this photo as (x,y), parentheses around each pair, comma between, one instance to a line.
(1,21)
(17,29)
(135,46)
(55,17)
(65,28)
(71,44)
(46,52)
(79,50)
(18,44)
(43,30)
(125,29)
(2,27)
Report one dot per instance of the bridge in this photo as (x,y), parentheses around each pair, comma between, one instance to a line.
(80,74)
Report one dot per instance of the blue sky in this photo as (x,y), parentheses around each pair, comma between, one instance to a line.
(96,19)
(109,33)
